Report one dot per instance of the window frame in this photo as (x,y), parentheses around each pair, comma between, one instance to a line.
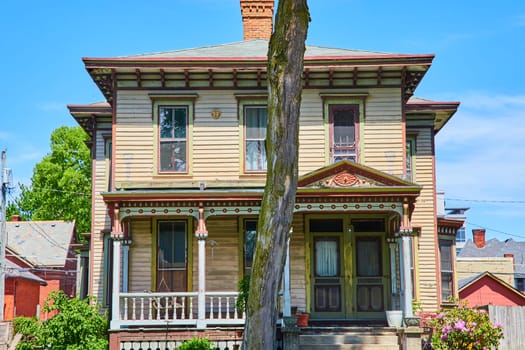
(263,164)
(175,101)
(449,244)
(410,157)
(358,102)
(243,101)
(173,139)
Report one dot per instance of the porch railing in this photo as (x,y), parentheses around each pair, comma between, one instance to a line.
(162,309)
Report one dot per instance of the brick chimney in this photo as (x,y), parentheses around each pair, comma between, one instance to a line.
(508,255)
(479,237)
(15,218)
(257,18)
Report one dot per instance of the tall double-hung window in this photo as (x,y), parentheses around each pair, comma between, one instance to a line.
(447,269)
(173,139)
(255,121)
(343,120)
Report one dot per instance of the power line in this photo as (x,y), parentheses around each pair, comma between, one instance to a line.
(492,229)
(486,201)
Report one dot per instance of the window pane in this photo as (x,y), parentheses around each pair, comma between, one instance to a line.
(446,285)
(172,245)
(326,258)
(368,257)
(166,123)
(326,225)
(250,231)
(344,129)
(173,156)
(255,120)
(445,250)
(408,158)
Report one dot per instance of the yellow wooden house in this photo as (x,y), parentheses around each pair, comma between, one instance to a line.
(179,171)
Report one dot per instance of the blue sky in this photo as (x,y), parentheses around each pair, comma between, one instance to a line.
(479,48)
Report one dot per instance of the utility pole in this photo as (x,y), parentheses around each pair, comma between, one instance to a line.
(3,235)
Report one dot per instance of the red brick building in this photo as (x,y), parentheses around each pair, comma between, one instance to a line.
(41,259)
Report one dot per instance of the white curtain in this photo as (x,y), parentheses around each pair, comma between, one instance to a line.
(326,259)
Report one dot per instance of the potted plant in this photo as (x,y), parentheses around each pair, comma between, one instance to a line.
(394,318)
(302,318)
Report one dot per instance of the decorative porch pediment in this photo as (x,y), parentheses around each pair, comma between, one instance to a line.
(346,174)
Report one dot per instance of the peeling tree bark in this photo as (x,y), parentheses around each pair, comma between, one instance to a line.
(285,67)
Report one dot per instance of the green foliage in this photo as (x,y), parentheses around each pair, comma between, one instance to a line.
(464,328)
(197,344)
(61,182)
(77,325)
(244,291)
(11,209)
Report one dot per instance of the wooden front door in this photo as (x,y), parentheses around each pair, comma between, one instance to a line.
(172,272)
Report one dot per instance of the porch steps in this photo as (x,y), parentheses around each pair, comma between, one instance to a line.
(349,339)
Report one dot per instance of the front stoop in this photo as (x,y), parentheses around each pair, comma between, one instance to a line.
(349,339)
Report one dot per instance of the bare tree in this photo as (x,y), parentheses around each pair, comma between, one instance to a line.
(285,68)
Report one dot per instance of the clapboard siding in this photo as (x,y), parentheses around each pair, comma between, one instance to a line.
(100,219)
(381,132)
(140,257)
(216,144)
(297,263)
(222,260)
(424,217)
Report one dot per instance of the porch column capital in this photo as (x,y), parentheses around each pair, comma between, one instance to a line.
(201,233)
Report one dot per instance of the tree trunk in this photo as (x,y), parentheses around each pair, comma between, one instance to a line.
(285,68)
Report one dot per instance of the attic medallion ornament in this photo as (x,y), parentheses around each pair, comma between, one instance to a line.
(344,179)
(216,114)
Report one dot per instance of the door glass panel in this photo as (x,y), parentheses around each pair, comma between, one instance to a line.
(326,258)
(368,257)
(327,288)
(171,256)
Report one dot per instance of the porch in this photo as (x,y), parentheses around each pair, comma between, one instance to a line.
(177,310)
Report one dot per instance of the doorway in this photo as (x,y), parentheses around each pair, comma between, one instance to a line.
(348,269)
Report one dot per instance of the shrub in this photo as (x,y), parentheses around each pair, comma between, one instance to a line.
(197,344)
(244,291)
(464,328)
(76,325)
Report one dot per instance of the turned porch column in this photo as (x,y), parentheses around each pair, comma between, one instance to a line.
(201,233)
(287,295)
(405,231)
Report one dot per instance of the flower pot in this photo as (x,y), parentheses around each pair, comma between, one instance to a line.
(394,318)
(302,320)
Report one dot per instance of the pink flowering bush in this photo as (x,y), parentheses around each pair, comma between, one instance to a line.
(464,328)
